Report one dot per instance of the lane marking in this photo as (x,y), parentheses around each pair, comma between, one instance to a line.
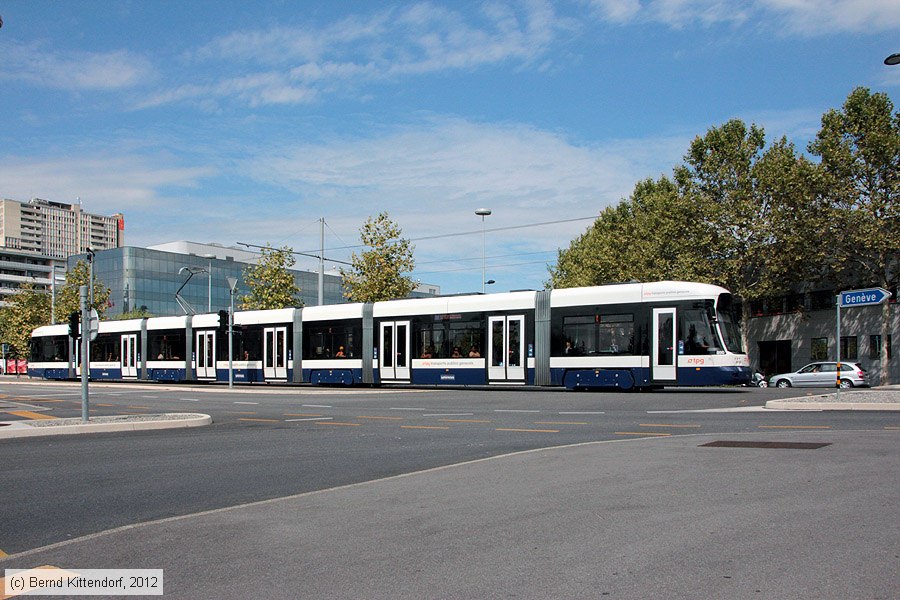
(449,415)
(561,423)
(42,400)
(463,421)
(3,554)
(253,403)
(302,415)
(317,406)
(421,427)
(338,423)
(794,426)
(890,428)
(645,433)
(402,408)
(501,410)
(381,418)
(675,425)
(529,430)
(583,412)
(240,412)
(260,420)
(309,419)
(142,407)
(191,399)
(29,414)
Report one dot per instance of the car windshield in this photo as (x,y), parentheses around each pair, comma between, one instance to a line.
(728,324)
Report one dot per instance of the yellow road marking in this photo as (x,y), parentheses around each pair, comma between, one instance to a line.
(260,420)
(794,426)
(462,421)
(530,430)
(29,415)
(141,407)
(666,425)
(241,412)
(382,418)
(99,404)
(338,423)
(561,423)
(643,433)
(421,427)
(3,554)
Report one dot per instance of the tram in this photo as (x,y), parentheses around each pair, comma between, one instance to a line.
(619,336)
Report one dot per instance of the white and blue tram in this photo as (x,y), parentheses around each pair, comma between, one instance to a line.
(622,336)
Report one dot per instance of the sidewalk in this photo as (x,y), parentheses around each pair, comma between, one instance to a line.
(881,398)
(50,426)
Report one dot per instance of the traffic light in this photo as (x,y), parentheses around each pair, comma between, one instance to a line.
(223,322)
(74,320)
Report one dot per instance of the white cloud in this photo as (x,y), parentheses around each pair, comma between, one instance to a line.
(106,184)
(812,17)
(417,39)
(74,71)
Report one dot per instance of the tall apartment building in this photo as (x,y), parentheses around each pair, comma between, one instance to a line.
(38,236)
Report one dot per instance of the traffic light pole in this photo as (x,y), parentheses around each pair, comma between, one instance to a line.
(85,350)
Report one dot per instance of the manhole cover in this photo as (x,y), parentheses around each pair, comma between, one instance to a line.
(767,445)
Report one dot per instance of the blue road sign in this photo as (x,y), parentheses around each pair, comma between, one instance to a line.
(869,297)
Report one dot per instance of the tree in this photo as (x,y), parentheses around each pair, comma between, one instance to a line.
(271,285)
(859,147)
(68,298)
(753,202)
(377,274)
(28,308)
(653,235)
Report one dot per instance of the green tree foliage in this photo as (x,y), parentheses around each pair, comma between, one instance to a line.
(378,273)
(270,283)
(28,309)
(859,147)
(68,298)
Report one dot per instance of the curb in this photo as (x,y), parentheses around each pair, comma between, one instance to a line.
(801,405)
(20,429)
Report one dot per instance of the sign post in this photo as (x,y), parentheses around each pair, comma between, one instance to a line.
(853,298)
(85,351)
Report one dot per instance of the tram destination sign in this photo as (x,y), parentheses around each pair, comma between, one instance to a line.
(869,297)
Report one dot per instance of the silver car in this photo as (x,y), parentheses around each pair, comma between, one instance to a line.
(821,374)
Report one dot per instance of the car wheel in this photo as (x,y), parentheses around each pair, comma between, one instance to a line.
(783,383)
(846,384)
(763,383)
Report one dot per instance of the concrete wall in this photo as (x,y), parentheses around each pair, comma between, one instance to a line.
(800,328)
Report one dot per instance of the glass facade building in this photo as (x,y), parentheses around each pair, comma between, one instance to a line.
(145,278)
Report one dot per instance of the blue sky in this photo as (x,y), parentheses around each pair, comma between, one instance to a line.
(246,122)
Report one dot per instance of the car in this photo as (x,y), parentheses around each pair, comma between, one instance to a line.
(821,374)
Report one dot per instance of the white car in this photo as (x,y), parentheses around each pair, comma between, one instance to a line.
(821,374)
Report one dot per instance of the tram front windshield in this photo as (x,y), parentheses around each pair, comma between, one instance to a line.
(728,324)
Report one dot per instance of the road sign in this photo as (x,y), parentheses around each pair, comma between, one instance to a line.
(868,297)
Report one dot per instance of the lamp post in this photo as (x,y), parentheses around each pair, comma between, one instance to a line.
(232,283)
(482,212)
(893,59)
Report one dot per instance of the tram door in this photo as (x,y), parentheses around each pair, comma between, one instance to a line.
(128,355)
(205,344)
(506,349)
(664,353)
(393,360)
(275,353)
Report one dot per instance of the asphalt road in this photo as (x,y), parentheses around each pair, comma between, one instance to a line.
(270,443)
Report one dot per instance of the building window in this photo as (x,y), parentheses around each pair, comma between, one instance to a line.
(819,349)
(849,348)
(875,347)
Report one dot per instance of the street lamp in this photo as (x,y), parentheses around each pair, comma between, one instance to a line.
(232,283)
(893,59)
(482,212)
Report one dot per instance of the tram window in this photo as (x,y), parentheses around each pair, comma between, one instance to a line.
(106,348)
(49,349)
(332,341)
(431,341)
(597,334)
(698,330)
(467,336)
(248,343)
(167,346)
